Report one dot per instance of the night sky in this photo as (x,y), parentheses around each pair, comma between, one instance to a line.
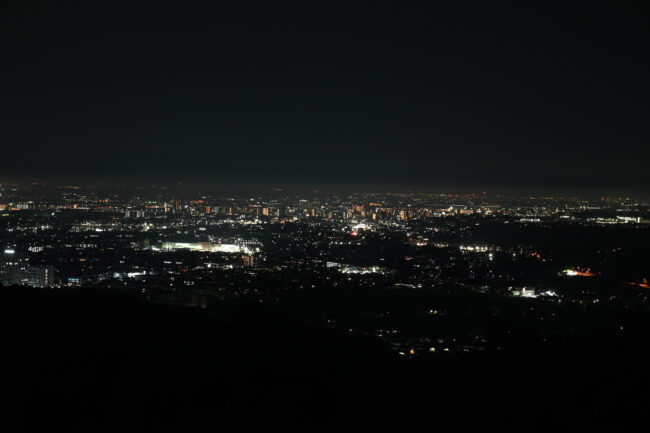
(326,93)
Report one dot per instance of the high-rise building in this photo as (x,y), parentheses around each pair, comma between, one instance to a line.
(248,260)
(39,276)
(12,265)
(14,269)
(134,213)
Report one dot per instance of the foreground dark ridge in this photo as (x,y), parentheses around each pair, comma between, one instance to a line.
(92,360)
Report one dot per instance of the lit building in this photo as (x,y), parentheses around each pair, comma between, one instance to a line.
(39,276)
(248,260)
(14,270)
(204,246)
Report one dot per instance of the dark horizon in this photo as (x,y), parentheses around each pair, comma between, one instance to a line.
(540,98)
(275,187)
